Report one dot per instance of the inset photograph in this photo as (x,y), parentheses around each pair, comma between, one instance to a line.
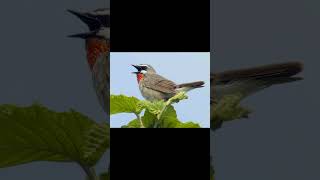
(160,90)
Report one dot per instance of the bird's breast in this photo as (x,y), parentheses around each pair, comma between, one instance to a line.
(95,48)
(139,77)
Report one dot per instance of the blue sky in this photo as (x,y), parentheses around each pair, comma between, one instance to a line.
(178,67)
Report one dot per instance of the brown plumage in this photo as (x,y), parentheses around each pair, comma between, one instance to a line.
(267,71)
(159,83)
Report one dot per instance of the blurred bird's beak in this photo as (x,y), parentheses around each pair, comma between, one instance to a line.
(137,67)
(88,19)
(81,35)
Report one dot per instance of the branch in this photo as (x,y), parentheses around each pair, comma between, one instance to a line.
(140,120)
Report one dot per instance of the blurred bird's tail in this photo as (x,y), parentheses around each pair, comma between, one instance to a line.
(282,72)
(251,80)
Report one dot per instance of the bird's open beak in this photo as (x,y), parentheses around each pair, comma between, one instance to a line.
(82,35)
(88,19)
(138,68)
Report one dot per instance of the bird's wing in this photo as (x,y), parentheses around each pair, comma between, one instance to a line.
(248,81)
(159,83)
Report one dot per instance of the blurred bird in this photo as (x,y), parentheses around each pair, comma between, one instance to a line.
(155,87)
(97,43)
(245,82)
(251,80)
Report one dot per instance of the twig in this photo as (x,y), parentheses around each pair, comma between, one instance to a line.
(140,120)
(161,112)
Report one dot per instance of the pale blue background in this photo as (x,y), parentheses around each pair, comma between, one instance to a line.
(178,67)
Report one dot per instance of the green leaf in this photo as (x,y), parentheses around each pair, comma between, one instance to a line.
(148,120)
(105,176)
(124,104)
(153,107)
(188,125)
(97,140)
(36,133)
(178,97)
(227,109)
(158,114)
(169,120)
(132,124)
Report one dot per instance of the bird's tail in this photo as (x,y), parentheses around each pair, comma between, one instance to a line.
(279,73)
(189,86)
(251,80)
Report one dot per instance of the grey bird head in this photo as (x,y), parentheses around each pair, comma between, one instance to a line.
(94,19)
(144,68)
(103,33)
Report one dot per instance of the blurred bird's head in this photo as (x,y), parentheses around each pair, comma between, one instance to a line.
(94,19)
(97,39)
(97,44)
(144,69)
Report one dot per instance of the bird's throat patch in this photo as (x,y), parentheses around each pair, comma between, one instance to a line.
(139,77)
(95,48)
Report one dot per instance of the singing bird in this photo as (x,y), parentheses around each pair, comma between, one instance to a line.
(245,82)
(97,45)
(154,87)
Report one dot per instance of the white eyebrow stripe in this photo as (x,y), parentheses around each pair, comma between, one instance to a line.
(145,65)
(143,71)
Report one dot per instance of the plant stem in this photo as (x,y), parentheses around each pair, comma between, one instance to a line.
(160,114)
(140,120)
(91,173)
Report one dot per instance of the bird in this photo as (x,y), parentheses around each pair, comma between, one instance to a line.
(94,19)
(251,80)
(154,87)
(97,45)
(248,81)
